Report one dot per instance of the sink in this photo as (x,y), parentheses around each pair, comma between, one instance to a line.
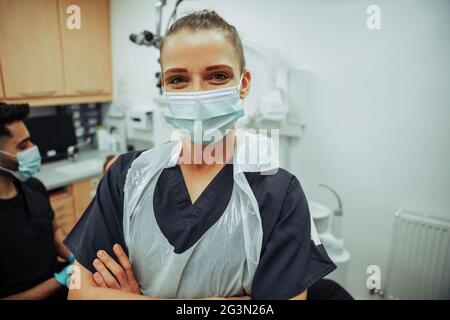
(81,168)
(317,210)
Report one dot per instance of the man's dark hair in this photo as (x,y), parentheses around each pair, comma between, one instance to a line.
(10,113)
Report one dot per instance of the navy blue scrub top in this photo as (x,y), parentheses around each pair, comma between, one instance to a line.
(290,262)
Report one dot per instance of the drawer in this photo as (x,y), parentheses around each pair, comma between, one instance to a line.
(65,220)
(62,204)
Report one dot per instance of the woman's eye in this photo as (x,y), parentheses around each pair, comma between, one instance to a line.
(176,80)
(219,76)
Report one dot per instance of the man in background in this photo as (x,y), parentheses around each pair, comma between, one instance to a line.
(30,239)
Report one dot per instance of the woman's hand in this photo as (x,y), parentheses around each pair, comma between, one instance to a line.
(121,277)
(112,275)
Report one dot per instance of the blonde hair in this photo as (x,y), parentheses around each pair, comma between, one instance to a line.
(208,20)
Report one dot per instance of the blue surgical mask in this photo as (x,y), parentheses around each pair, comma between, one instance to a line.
(29,162)
(204,117)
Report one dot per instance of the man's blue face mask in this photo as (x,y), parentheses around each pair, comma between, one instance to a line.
(29,163)
(204,117)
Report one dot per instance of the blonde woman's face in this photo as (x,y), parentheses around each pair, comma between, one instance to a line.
(200,61)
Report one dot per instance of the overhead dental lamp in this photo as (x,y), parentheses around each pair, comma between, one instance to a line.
(150,39)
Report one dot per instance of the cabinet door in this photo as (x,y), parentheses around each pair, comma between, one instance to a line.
(1,85)
(30,48)
(83,192)
(62,206)
(87,51)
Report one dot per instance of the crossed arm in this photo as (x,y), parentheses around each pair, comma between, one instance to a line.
(114,280)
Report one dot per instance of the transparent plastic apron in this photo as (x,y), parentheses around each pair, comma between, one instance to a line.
(221,263)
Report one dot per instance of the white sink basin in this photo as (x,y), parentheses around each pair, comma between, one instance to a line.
(80,168)
(317,210)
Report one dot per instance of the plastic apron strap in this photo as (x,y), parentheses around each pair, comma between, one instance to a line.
(141,172)
(251,155)
(252,237)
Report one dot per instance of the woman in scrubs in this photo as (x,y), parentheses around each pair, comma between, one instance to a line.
(199,225)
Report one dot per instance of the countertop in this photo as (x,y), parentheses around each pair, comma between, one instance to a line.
(87,164)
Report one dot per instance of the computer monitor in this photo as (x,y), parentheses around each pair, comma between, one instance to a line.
(53,135)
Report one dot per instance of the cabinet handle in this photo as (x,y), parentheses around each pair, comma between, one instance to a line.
(93,91)
(38,93)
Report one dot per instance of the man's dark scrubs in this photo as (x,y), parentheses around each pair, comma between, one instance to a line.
(290,261)
(27,250)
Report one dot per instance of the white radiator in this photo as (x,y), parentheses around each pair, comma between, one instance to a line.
(420,258)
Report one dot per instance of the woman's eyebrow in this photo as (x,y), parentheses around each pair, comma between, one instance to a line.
(218,66)
(175,70)
(210,68)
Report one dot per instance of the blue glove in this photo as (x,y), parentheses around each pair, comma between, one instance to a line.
(63,276)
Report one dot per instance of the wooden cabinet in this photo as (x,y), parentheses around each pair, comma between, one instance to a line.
(83,192)
(87,51)
(1,84)
(70,203)
(45,63)
(62,204)
(30,49)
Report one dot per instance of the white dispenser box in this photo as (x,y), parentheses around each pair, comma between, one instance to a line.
(140,120)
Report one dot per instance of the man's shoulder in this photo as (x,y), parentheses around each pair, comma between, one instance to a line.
(35,184)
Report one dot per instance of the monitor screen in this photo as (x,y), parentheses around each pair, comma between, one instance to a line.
(53,135)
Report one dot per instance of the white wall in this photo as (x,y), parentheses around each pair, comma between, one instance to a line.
(134,66)
(378,121)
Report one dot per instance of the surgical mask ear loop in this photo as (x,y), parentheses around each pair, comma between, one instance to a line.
(6,169)
(8,154)
(240,83)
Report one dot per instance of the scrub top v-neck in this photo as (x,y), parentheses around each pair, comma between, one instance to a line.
(290,261)
(182,222)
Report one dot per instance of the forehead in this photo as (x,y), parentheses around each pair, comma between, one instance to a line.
(18,131)
(197,50)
